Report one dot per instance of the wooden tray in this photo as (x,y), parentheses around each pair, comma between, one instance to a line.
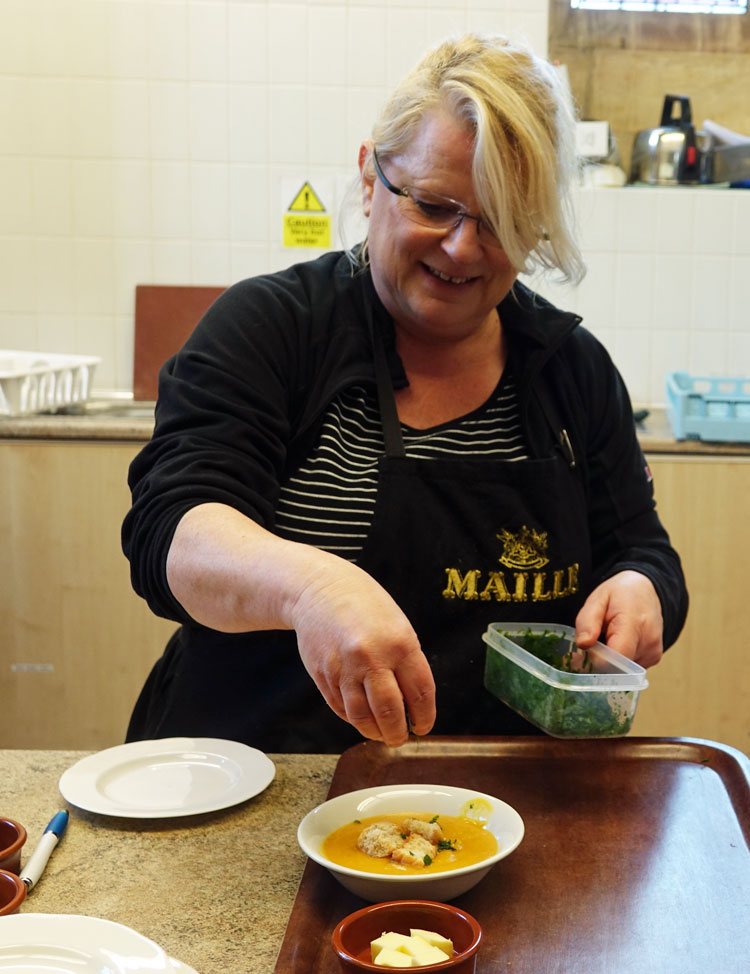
(635,860)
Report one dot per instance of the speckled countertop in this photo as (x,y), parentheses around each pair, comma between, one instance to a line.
(102,420)
(214,890)
(134,421)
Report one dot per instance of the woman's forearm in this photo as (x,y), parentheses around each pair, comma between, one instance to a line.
(233,575)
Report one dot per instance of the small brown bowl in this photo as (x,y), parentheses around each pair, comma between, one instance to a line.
(12,893)
(12,838)
(351,938)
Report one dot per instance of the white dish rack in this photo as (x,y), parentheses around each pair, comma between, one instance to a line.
(38,382)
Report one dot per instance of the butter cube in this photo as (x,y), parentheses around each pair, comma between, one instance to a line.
(392,941)
(423,952)
(436,939)
(389,957)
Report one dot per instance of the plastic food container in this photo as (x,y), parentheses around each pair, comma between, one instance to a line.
(36,382)
(580,693)
(708,408)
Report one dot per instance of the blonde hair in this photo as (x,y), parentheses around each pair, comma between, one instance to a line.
(524,142)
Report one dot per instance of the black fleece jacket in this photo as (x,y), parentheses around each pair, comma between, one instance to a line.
(240,404)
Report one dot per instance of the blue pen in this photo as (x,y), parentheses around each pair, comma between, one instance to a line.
(52,834)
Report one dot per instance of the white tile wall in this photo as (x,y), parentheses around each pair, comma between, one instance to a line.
(668,283)
(146,141)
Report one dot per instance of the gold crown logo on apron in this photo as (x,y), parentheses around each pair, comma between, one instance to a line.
(527,549)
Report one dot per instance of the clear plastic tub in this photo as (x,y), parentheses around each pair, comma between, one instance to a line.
(579,694)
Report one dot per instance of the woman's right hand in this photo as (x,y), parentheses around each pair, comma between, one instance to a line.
(233,575)
(363,654)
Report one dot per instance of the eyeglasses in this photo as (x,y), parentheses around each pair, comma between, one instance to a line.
(433,210)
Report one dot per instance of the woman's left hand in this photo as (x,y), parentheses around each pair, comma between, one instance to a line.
(626,609)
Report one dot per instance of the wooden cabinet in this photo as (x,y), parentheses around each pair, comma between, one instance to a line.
(76,643)
(701,688)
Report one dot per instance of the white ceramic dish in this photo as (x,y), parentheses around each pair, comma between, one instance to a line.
(55,943)
(503,821)
(167,778)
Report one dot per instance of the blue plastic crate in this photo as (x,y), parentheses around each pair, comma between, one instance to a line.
(708,408)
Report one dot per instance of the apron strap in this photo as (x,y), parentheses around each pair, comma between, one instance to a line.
(394,441)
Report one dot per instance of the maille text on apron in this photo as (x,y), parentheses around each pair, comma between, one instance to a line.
(525,555)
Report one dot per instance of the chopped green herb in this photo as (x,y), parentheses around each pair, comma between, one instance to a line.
(557,710)
(434,819)
(550,648)
(427,859)
(445,844)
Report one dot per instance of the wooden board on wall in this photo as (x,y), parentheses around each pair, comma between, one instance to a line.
(638,30)
(165,315)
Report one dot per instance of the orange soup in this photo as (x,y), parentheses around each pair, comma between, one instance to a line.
(465,841)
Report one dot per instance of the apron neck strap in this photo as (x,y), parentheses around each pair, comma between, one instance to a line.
(394,441)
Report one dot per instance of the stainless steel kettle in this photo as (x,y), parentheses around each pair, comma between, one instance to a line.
(667,155)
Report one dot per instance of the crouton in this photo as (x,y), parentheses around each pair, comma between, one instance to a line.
(379,839)
(430,830)
(415,851)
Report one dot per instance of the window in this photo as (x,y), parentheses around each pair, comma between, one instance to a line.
(666,6)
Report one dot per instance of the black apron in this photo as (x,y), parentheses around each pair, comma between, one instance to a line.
(458,543)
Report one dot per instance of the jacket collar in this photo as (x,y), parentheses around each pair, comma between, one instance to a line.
(530,318)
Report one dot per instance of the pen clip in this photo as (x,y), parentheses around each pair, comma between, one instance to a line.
(567,447)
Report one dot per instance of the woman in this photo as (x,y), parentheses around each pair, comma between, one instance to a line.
(356,468)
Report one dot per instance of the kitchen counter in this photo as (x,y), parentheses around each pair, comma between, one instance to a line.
(655,436)
(214,890)
(134,421)
(100,420)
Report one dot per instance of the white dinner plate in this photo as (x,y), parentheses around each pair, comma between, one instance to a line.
(166,778)
(55,943)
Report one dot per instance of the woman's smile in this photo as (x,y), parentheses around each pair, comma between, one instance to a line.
(441,275)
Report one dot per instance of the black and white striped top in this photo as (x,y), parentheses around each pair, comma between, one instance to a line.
(329,501)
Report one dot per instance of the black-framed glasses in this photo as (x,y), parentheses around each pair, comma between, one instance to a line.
(434,210)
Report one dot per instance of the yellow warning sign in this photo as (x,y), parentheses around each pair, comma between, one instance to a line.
(306,201)
(306,222)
